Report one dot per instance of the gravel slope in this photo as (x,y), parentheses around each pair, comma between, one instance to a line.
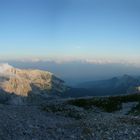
(32,123)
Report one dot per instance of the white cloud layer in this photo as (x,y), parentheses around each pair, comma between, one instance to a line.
(61,60)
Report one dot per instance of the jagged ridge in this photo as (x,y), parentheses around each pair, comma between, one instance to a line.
(23,81)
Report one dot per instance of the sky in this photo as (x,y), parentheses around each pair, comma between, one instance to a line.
(90,30)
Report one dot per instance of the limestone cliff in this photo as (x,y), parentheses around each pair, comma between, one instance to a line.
(25,81)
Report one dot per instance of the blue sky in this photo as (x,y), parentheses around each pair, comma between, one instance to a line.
(75,29)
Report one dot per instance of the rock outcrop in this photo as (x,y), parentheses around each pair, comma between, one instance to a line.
(24,81)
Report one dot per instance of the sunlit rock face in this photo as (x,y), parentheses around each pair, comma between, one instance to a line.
(22,82)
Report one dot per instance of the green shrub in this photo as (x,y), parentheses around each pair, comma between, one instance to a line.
(107,105)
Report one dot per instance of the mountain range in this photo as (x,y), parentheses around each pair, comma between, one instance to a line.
(24,81)
(117,85)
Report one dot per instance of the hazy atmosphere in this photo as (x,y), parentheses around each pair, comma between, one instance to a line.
(84,39)
(77,72)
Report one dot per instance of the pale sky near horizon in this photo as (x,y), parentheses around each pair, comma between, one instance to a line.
(82,29)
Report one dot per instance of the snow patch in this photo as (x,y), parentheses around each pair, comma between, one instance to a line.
(4,67)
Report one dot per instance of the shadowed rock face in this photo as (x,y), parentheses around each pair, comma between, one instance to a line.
(22,82)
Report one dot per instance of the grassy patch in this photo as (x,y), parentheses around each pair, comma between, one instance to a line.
(108,104)
(105,104)
(75,107)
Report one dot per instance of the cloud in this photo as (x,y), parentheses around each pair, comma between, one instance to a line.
(62,60)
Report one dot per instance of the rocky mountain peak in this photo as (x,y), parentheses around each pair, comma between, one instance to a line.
(25,81)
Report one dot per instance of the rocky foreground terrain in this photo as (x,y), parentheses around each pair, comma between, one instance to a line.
(29,110)
(105,118)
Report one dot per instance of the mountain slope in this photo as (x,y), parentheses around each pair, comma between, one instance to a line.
(113,86)
(22,82)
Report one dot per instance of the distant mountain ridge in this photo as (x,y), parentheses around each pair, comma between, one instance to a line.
(113,86)
(24,81)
